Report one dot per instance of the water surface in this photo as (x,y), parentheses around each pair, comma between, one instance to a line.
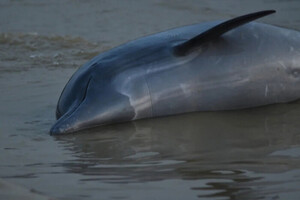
(248,154)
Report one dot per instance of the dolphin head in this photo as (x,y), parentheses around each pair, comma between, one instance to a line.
(89,99)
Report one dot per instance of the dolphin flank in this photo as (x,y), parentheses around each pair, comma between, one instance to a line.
(211,66)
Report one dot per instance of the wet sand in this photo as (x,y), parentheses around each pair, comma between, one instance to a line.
(246,154)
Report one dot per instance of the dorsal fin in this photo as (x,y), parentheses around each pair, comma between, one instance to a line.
(184,48)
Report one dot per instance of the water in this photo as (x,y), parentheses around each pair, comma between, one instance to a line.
(248,154)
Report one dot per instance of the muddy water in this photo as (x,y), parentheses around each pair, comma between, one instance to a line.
(249,154)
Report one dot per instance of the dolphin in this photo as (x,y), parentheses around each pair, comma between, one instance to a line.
(211,66)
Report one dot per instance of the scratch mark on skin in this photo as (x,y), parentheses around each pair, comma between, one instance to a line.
(218,61)
(266,90)
(282,64)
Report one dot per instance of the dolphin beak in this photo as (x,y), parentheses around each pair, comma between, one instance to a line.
(94,110)
(72,121)
(61,127)
(57,130)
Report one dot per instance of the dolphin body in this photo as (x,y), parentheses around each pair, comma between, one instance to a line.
(221,65)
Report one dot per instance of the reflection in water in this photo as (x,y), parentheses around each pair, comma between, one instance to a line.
(250,154)
(229,154)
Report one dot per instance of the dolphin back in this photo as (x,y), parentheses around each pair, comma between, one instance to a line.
(210,66)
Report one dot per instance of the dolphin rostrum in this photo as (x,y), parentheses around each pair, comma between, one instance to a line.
(220,65)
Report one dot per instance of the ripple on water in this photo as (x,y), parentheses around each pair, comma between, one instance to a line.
(251,154)
(25,51)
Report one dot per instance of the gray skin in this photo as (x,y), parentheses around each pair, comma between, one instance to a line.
(252,65)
